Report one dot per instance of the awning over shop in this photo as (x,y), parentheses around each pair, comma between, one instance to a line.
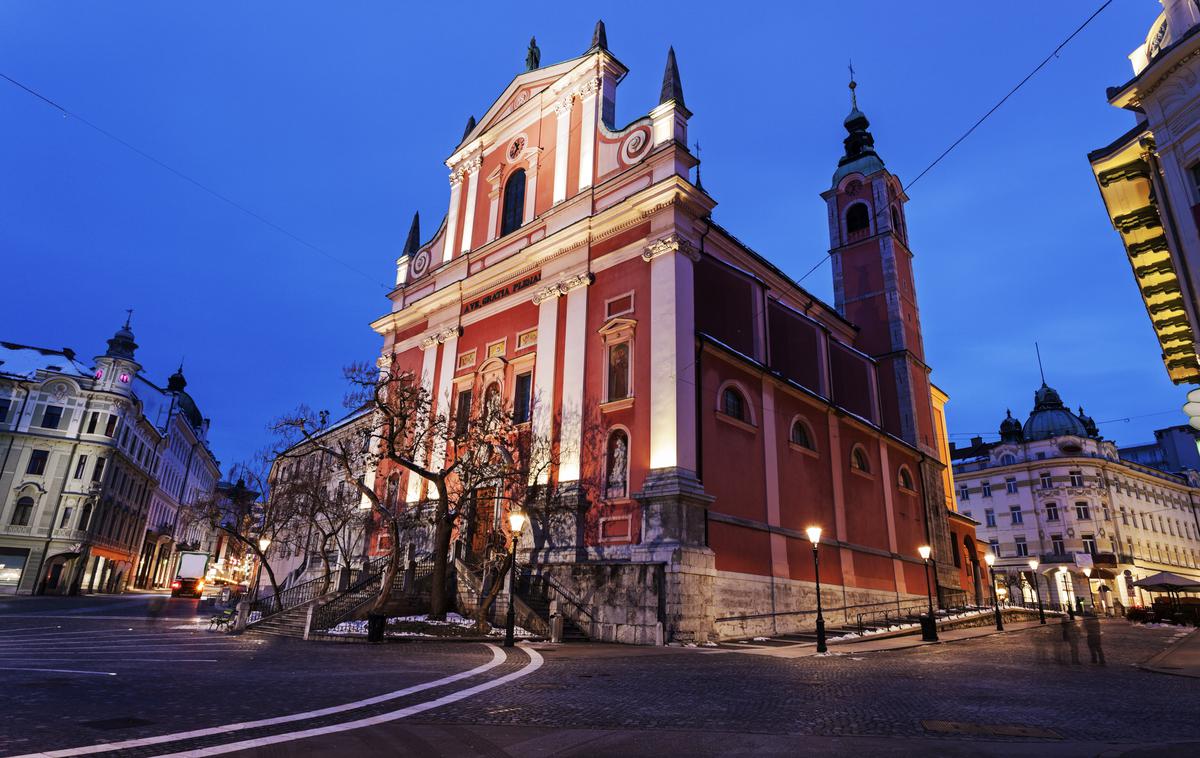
(109,554)
(1165,581)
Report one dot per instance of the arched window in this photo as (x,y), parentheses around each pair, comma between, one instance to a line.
(23,512)
(733,404)
(858,219)
(858,459)
(514,203)
(85,516)
(896,227)
(1008,459)
(801,435)
(616,466)
(905,478)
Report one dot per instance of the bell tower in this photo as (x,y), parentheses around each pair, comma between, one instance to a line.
(873,280)
(874,289)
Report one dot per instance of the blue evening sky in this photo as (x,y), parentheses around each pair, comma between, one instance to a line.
(333,119)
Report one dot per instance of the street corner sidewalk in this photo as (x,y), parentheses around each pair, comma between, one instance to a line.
(868,645)
(1181,658)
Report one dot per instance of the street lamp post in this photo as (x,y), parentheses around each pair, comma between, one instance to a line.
(1037,590)
(263,544)
(990,559)
(516,520)
(1065,575)
(814,536)
(928,629)
(1087,577)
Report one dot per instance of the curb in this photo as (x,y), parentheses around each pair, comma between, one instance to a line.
(1152,663)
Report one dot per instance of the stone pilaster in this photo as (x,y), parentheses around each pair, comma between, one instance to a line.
(674,515)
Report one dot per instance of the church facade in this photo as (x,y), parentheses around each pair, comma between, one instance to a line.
(706,410)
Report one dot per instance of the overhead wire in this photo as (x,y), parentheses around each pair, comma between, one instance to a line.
(68,113)
(1053,54)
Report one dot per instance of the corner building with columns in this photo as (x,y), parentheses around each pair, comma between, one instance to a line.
(705,408)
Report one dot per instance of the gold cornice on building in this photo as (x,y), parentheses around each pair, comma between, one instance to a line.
(1123,176)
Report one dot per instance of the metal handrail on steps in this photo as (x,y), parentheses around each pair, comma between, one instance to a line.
(562,592)
(348,602)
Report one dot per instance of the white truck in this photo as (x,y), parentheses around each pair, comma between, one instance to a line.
(189,575)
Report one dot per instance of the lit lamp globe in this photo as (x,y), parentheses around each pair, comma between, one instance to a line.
(925,551)
(1087,572)
(989,559)
(263,544)
(1033,564)
(814,534)
(516,520)
(1192,408)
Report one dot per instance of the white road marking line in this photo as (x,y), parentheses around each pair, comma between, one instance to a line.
(127,619)
(535,662)
(115,632)
(63,671)
(5,632)
(117,658)
(498,657)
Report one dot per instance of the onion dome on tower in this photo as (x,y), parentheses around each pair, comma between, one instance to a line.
(1050,418)
(1010,429)
(176,382)
(860,145)
(122,345)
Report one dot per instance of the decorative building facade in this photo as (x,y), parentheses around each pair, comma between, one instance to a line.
(705,408)
(80,468)
(1149,178)
(1054,490)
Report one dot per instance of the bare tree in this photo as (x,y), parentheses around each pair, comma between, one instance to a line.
(244,513)
(453,460)
(318,509)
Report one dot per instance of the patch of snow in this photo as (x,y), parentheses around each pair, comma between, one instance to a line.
(761,639)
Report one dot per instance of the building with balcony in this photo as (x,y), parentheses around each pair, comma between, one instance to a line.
(81,461)
(1149,179)
(1053,489)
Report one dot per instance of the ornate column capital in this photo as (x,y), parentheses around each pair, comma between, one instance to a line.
(438,338)
(563,106)
(562,287)
(670,243)
(588,87)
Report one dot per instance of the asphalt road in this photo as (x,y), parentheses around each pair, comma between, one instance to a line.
(141,675)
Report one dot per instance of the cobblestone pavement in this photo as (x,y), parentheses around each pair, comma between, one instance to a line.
(96,678)
(103,679)
(1023,679)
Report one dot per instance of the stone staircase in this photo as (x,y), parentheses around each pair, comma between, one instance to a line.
(289,623)
(536,596)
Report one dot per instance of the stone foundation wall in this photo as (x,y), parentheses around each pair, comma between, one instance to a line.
(624,600)
(747,605)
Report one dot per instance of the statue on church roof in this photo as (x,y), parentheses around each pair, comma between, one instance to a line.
(533,58)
